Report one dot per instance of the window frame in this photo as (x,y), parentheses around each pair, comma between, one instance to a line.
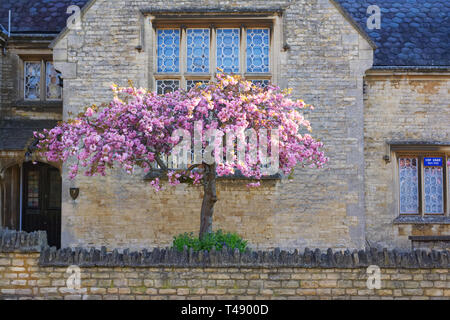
(213,25)
(420,155)
(25,79)
(42,82)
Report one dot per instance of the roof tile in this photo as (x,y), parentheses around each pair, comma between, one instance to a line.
(413,32)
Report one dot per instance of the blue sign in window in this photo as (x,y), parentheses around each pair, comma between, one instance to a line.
(432,162)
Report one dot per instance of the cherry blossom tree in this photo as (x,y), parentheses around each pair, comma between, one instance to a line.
(235,125)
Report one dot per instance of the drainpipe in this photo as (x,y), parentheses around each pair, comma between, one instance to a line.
(21,197)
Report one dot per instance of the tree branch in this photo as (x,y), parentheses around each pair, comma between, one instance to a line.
(161,163)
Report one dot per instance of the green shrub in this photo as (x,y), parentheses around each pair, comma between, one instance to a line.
(216,239)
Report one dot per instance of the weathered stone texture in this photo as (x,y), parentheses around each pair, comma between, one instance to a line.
(324,65)
(21,277)
(12,104)
(13,241)
(8,66)
(405,107)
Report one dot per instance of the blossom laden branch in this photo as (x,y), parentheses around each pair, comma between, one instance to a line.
(139,128)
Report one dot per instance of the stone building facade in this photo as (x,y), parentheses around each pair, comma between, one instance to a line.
(381,98)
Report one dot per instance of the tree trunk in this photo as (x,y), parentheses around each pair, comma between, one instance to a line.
(209,199)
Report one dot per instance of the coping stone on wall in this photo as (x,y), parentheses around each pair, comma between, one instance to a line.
(20,241)
(170,257)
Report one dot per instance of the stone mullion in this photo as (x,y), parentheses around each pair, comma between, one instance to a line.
(42,84)
(183,56)
(242,49)
(213,52)
(275,48)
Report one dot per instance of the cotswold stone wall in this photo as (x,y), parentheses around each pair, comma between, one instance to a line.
(406,106)
(8,63)
(26,273)
(324,63)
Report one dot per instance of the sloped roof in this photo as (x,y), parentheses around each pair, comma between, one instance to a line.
(36,15)
(15,134)
(413,32)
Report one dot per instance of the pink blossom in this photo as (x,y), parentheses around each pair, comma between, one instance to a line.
(136,128)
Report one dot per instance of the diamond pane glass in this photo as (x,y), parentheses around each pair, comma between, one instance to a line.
(32,80)
(192,83)
(434,190)
(33,189)
(197,50)
(168,50)
(54,91)
(166,86)
(409,185)
(257,50)
(261,83)
(228,50)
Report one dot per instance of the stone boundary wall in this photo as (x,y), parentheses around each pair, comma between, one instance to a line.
(35,271)
(20,241)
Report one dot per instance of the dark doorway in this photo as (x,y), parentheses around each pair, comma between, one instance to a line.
(10,198)
(41,209)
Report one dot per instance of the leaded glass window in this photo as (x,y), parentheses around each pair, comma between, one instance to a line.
(33,189)
(192,83)
(261,83)
(168,50)
(423,183)
(258,50)
(41,81)
(166,86)
(409,185)
(194,53)
(198,44)
(433,189)
(32,83)
(228,50)
(54,91)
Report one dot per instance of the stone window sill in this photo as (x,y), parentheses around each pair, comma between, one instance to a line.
(39,104)
(429,238)
(422,220)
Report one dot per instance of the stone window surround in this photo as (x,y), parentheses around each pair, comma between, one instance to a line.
(43,59)
(214,21)
(420,149)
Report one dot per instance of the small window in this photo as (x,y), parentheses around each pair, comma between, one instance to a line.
(33,189)
(53,87)
(192,83)
(423,183)
(228,50)
(409,185)
(198,46)
(41,81)
(261,83)
(32,80)
(166,86)
(187,55)
(258,50)
(168,50)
